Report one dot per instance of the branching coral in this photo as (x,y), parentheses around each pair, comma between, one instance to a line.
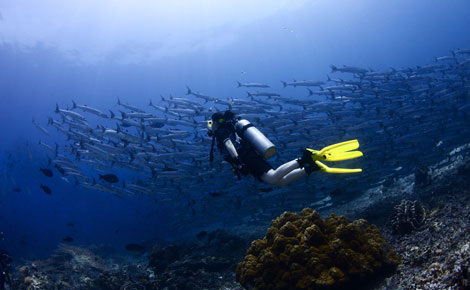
(409,215)
(306,252)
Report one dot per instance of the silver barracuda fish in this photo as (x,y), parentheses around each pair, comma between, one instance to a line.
(129,107)
(89,110)
(252,85)
(303,83)
(71,114)
(199,95)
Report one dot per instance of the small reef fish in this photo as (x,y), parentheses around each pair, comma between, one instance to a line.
(111,178)
(46,172)
(45,189)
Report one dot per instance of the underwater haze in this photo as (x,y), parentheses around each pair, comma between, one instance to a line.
(96,52)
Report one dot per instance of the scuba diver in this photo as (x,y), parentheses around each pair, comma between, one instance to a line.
(5,261)
(246,149)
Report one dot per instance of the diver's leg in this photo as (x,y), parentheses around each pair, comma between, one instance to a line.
(284,169)
(274,176)
(288,172)
(292,176)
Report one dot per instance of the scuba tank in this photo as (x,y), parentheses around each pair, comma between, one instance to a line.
(260,143)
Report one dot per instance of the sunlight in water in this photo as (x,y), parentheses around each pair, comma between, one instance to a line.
(96,29)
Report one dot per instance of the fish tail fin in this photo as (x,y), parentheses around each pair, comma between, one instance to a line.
(310,92)
(150,103)
(123,115)
(112,114)
(453,52)
(163,99)
(329,79)
(284,83)
(333,68)
(74,106)
(119,102)
(56,108)
(239,84)
(249,95)
(189,91)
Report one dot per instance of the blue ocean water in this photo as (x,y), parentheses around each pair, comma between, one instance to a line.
(94,54)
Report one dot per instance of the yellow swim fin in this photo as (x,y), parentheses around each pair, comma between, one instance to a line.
(327,169)
(337,152)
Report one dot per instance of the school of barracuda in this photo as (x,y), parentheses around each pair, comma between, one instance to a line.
(405,119)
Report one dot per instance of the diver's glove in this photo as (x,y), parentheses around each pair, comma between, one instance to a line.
(336,152)
(238,166)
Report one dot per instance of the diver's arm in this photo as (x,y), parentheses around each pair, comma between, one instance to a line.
(230,148)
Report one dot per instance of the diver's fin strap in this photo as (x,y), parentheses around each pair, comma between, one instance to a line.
(327,169)
(337,152)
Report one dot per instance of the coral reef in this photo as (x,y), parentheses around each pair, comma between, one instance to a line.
(72,267)
(205,264)
(435,257)
(438,256)
(423,177)
(306,252)
(408,216)
(208,263)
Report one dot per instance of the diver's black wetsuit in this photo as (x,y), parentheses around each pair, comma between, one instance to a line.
(249,161)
